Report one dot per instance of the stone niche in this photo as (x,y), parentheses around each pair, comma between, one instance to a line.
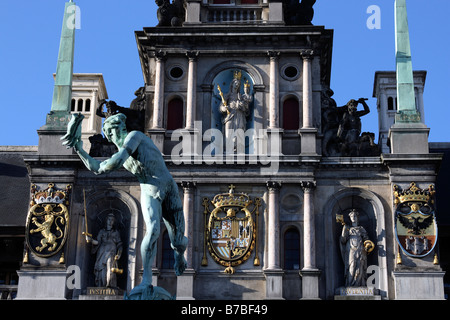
(99,205)
(371,217)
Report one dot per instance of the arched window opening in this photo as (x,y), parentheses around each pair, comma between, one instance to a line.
(80,105)
(87,107)
(292,249)
(72,106)
(291,114)
(175,114)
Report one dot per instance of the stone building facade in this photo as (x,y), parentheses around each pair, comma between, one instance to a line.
(294,168)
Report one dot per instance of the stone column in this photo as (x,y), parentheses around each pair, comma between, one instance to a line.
(273,259)
(273,272)
(157,132)
(191,89)
(188,208)
(274,108)
(309,247)
(307,89)
(274,131)
(310,274)
(158,103)
(185,282)
(307,131)
(383,123)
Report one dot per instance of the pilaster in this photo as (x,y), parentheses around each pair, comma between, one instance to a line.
(160,57)
(310,274)
(307,132)
(273,259)
(191,89)
(274,107)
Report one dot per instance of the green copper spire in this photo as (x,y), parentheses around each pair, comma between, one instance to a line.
(405,81)
(62,92)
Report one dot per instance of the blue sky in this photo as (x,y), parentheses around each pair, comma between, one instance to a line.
(30,34)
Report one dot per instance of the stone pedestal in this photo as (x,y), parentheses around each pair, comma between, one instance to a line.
(274,284)
(310,284)
(409,138)
(185,285)
(419,285)
(102,293)
(357,293)
(157,136)
(274,142)
(42,284)
(308,141)
(50,142)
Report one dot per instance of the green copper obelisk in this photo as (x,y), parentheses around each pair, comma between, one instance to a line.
(59,115)
(407,111)
(408,135)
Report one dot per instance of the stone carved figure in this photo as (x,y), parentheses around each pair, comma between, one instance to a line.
(108,250)
(350,124)
(298,13)
(111,109)
(159,193)
(135,117)
(235,110)
(139,103)
(170,14)
(355,245)
(101,147)
(342,129)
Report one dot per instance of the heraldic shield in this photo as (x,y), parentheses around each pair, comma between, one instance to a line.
(415,222)
(48,220)
(231,230)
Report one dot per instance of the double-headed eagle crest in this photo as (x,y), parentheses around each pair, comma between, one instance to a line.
(415,222)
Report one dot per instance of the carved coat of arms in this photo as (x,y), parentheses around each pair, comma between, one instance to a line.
(415,222)
(231,228)
(48,220)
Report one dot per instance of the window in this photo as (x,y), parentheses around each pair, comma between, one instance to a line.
(291,114)
(290,72)
(168,259)
(176,73)
(80,105)
(390,103)
(72,106)
(292,249)
(175,114)
(87,107)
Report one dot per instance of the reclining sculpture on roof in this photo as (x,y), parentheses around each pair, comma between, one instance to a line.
(342,135)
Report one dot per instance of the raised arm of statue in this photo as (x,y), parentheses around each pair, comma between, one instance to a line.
(73,139)
(344,234)
(90,163)
(366,108)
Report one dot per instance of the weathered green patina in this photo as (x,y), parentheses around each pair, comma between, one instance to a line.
(59,115)
(407,112)
(159,193)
